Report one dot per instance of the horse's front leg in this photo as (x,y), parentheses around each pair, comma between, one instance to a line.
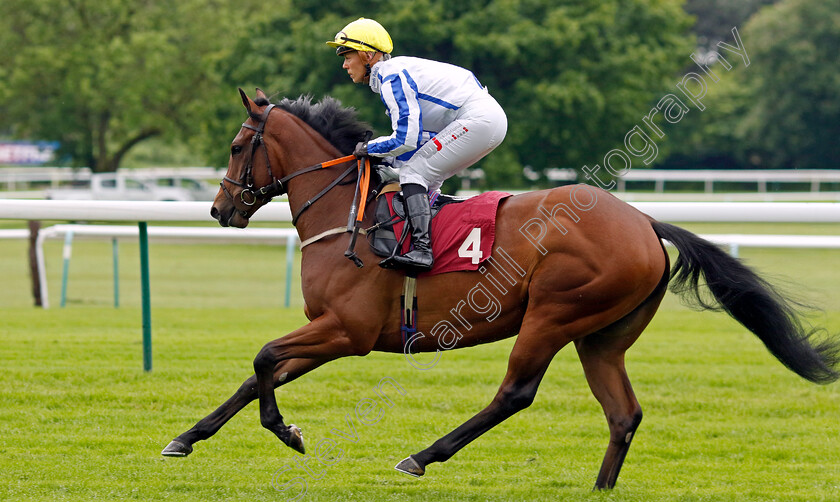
(323,339)
(284,373)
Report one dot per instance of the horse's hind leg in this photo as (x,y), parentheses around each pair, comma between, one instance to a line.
(611,387)
(602,357)
(285,372)
(527,364)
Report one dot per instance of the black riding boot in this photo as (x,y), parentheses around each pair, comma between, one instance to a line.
(419,218)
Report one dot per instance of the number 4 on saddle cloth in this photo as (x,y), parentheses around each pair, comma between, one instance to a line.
(462,235)
(463,229)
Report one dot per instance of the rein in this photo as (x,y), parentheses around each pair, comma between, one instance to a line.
(250,195)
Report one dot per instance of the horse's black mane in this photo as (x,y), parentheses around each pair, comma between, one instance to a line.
(340,125)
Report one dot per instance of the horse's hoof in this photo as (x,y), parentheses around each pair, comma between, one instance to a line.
(410,467)
(176,449)
(296,439)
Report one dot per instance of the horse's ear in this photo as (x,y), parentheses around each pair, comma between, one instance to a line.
(261,94)
(245,100)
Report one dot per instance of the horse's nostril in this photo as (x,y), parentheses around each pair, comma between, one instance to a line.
(214,212)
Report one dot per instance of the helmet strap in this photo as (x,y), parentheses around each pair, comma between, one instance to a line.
(367,58)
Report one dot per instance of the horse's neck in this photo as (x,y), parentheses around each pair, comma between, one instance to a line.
(309,148)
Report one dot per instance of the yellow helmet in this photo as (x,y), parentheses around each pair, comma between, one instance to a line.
(362,35)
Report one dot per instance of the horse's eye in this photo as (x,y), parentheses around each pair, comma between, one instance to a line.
(235,150)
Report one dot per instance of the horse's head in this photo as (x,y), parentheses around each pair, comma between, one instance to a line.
(244,188)
(301,133)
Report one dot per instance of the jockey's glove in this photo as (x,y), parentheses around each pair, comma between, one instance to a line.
(361,149)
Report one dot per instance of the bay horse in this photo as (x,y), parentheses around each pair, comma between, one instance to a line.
(583,268)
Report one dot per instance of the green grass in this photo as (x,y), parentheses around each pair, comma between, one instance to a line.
(80,420)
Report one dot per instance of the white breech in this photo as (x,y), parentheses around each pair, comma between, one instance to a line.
(479,126)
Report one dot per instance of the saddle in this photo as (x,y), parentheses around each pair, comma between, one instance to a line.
(463,228)
(390,211)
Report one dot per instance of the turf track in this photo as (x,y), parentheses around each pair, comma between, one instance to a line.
(79,420)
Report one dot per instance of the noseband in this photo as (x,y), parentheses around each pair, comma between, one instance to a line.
(250,196)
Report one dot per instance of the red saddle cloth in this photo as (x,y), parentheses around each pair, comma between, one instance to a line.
(462,233)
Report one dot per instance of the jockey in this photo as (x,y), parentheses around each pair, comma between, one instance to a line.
(443,119)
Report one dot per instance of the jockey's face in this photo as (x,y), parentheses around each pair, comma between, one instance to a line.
(354,63)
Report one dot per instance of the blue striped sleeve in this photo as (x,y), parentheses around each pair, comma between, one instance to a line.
(406,118)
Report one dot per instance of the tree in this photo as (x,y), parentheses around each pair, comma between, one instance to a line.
(573,76)
(715,18)
(101,76)
(794,118)
(783,111)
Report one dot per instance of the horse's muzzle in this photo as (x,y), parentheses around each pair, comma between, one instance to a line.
(229,216)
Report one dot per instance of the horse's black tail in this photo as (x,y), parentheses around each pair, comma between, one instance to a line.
(810,352)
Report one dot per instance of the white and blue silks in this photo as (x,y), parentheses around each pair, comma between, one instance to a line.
(443,120)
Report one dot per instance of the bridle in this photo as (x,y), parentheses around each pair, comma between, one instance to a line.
(250,195)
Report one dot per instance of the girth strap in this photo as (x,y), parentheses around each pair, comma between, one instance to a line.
(408,310)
